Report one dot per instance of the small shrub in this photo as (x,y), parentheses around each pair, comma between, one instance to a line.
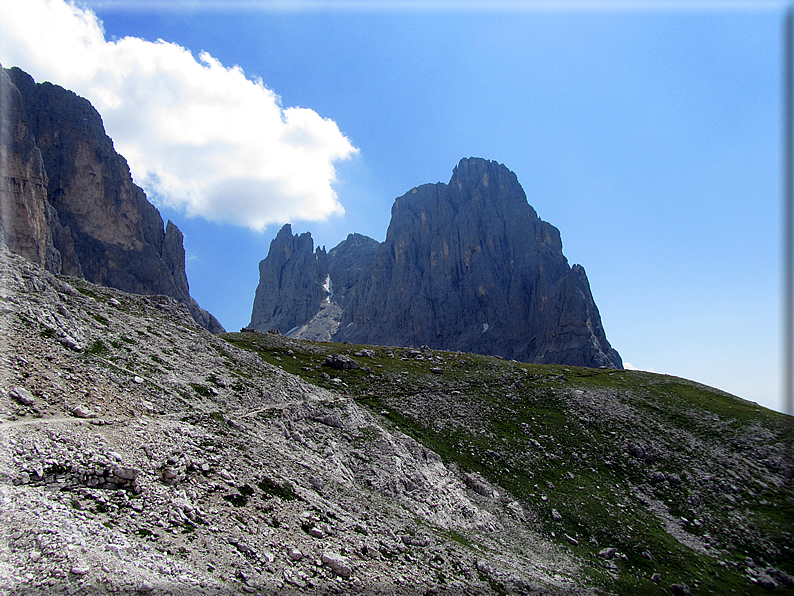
(273,488)
(237,500)
(202,390)
(98,348)
(100,319)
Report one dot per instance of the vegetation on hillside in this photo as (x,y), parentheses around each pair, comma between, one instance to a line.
(680,479)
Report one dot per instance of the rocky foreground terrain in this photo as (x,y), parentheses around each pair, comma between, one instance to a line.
(142,454)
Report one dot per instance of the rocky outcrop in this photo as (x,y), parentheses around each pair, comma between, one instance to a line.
(301,290)
(290,288)
(465,266)
(349,263)
(69,202)
(23,209)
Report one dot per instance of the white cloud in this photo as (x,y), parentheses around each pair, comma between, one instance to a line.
(198,136)
(630,366)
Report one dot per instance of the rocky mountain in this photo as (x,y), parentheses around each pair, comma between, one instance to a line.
(143,455)
(290,289)
(68,199)
(349,264)
(302,290)
(465,266)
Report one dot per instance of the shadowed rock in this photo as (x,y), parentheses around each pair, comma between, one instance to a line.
(69,202)
(465,266)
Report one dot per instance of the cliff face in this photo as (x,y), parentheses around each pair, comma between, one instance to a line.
(290,289)
(23,210)
(302,291)
(349,263)
(469,266)
(465,266)
(69,202)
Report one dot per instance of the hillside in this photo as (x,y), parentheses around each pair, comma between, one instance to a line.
(679,479)
(145,455)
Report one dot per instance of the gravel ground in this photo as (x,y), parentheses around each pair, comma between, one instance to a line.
(141,454)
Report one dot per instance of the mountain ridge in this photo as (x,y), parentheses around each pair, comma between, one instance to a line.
(466,265)
(69,201)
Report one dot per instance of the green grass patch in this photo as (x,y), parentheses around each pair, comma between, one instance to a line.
(556,438)
(100,319)
(87,292)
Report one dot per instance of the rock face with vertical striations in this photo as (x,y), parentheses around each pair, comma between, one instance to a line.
(349,264)
(465,266)
(290,288)
(23,210)
(69,202)
(302,291)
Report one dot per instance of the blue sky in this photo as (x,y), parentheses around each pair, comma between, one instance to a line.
(650,137)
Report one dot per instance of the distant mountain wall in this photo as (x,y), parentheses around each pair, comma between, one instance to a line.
(69,203)
(290,289)
(465,266)
(302,290)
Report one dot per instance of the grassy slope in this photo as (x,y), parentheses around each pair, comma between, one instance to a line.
(605,449)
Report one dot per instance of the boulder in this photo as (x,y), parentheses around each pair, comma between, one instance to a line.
(338,564)
(340,362)
(23,396)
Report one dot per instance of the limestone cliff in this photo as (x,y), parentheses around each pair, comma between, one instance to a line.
(290,289)
(349,263)
(69,202)
(23,210)
(465,266)
(302,292)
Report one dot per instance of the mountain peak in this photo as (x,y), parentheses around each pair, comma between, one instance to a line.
(485,171)
(475,166)
(465,266)
(73,207)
